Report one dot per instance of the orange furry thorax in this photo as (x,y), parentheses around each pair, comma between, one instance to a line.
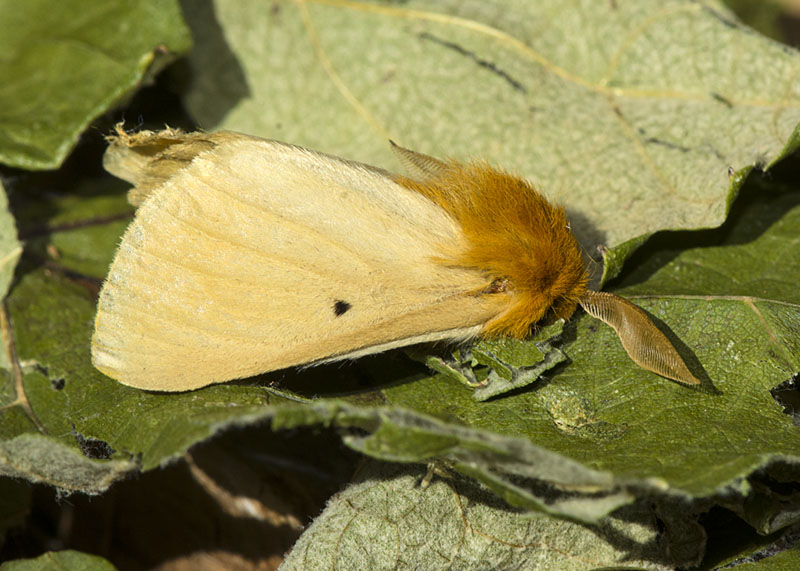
(516,238)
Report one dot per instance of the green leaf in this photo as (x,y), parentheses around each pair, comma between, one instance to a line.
(493,367)
(65,63)
(384,521)
(783,560)
(60,561)
(506,465)
(601,410)
(10,248)
(40,459)
(597,430)
(629,113)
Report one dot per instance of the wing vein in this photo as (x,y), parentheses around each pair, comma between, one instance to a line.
(320,236)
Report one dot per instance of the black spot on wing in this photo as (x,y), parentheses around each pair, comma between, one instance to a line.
(341,307)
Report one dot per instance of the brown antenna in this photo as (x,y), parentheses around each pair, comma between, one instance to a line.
(644,342)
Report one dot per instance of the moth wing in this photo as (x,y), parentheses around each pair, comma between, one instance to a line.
(257,255)
(148,159)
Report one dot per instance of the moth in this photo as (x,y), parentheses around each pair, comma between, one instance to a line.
(248,255)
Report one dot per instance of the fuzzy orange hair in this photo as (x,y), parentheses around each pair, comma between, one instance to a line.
(520,241)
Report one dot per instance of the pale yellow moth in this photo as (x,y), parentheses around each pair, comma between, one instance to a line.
(248,255)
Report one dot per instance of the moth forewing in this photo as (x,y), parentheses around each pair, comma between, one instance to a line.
(147,159)
(244,259)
